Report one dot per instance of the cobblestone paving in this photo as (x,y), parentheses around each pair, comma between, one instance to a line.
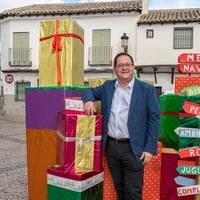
(13,163)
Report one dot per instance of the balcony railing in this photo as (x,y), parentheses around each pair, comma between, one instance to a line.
(100,56)
(20,57)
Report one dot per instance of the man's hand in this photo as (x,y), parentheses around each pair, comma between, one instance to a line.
(89,108)
(146,156)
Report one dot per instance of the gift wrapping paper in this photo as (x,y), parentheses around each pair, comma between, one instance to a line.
(152,179)
(169,163)
(79,142)
(61,53)
(44,103)
(172,117)
(71,186)
(185,81)
(74,105)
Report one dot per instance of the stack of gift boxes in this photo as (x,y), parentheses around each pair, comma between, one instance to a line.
(78,174)
(66,148)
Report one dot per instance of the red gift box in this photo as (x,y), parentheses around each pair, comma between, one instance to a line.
(79,142)
(185,81)
(170,162)
(152,179)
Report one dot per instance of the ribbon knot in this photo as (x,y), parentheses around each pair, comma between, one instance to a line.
(56,43)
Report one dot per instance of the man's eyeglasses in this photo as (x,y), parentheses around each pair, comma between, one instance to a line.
(121,65)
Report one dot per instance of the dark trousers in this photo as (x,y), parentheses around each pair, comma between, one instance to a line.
(126,171)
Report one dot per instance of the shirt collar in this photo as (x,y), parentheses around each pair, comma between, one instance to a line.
(130,85)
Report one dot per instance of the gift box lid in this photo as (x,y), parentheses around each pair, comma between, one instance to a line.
(79,182)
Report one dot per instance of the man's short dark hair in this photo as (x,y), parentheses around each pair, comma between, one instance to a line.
(122,54)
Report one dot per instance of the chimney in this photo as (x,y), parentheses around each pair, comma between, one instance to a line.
(145,6)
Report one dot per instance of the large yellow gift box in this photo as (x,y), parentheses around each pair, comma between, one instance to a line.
(61,58)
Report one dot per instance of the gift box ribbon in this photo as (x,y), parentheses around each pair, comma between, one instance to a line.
(176,114)
(56,47)
(79,140)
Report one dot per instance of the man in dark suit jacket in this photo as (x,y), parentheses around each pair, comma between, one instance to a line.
(131,118)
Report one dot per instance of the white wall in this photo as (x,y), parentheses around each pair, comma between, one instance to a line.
(159,49)
(118,24)
(26,25)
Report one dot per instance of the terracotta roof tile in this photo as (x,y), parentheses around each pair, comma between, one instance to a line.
(74,8)
(170,16)
(152,17)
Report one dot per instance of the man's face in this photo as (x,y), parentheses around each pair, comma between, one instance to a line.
(124,68)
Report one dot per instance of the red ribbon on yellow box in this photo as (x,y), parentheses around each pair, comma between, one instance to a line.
(56,47)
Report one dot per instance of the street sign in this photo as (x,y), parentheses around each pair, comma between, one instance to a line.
(189,68)
(192,90)
(189,152)
(184,181)
(188,170)
(188,132)
(186,162)
(9,78)
(192,108)
(190,190)
(189,58)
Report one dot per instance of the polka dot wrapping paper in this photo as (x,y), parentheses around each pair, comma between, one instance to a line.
(183,81)
(152,174)
(109,192)
(152,177)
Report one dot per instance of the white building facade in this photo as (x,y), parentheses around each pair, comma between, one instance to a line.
(155,57)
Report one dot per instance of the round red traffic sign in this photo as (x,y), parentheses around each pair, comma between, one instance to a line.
(9,78)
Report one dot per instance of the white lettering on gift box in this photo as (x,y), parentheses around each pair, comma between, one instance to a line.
(74,185)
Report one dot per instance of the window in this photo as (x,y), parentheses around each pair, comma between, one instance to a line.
(20,53)
(183,38)
(20,89)
(149,33)
(100,52)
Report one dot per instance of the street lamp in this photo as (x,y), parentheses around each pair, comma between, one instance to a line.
(124,42)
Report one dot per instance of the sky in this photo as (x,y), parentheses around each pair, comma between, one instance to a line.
(153,4)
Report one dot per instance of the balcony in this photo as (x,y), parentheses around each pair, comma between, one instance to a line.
(100,56)
(20,57)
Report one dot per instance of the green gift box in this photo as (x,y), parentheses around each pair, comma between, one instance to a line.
(172,117)
(74,186)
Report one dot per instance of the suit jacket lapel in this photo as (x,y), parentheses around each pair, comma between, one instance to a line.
(110,97)
(134,97)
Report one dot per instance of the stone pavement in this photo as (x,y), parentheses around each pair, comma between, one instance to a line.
(13,160)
